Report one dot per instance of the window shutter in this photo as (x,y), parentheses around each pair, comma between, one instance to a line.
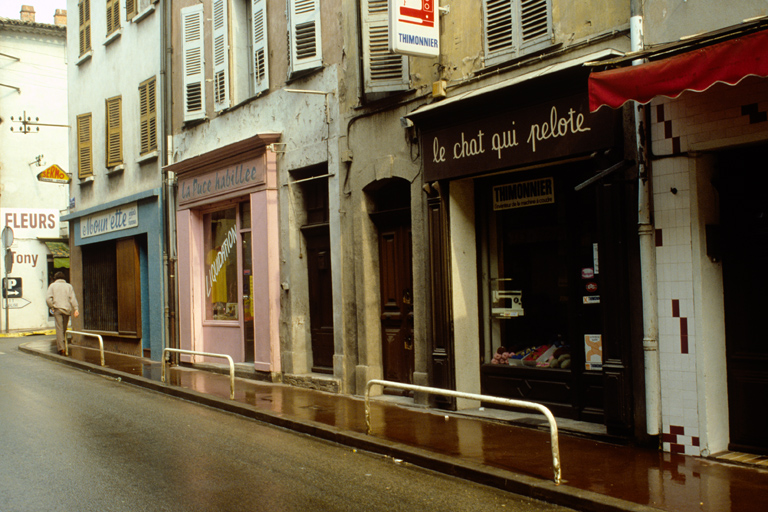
(384,71)
(84,146)
(535,23)
(305,42)
(84,12)
(148,116)
(131,9)
(113,15)
(220,55)
(499,28)
(259,42)
(114,131)
(192,62)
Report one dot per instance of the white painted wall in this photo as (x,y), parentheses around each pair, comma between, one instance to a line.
(37,68)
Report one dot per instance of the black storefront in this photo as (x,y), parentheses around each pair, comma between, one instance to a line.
(556,239)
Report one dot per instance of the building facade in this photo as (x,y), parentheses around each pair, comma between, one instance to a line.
(117,216)
(33,164)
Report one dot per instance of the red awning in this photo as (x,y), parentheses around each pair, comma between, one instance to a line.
(697,70)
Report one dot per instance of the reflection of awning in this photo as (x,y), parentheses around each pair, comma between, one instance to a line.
(60,253)
(727,62)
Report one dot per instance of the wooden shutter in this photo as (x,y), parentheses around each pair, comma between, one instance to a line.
(113,15)
(384,71)
(148,116)
(131,9)
(220,55)
(84,13)
(499,28)
(84,146)
(128,287)
(259,44)
(535,23)
(192,62)
(305,41)
(114,131)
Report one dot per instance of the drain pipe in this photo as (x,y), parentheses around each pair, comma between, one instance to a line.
(647,243)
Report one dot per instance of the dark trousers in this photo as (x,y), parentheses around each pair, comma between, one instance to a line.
(61,321)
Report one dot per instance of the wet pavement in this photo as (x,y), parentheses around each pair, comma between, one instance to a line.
(597,475)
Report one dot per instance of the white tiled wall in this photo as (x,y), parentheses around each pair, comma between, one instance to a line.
(720,117)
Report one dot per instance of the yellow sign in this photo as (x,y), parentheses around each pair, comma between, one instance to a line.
(53,174)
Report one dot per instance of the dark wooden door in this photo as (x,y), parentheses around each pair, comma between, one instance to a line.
(744,219)
(320,298)
(396,302)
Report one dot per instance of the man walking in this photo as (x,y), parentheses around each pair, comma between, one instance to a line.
(61,299)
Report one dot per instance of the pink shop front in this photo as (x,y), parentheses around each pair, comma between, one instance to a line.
(228,259)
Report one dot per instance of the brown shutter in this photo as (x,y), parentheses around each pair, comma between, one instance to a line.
(128,288)
(84,146)
(148,116)
(114,131)
(84,11)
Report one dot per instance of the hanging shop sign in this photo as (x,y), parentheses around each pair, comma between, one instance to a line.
(53,174)
(108,221)
(221,181)
(560,128)
(31,222)
(414,28)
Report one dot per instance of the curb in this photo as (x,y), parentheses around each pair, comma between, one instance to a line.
(544,490)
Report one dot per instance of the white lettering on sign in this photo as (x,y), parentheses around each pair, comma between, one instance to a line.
(116,219)
(471,147)
(557,127)
(504,140)
(221,257)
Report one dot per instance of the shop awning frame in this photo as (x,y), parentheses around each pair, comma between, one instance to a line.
(697,69)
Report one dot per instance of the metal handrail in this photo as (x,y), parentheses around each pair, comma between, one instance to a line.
(206,354)
(484,398)
(101,343)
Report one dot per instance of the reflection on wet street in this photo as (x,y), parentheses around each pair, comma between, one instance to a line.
(666,481)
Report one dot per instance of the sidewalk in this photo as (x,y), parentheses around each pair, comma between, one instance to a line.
(597,476)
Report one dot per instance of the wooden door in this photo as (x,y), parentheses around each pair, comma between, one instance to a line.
(320,298)
(744,221)
(396,302)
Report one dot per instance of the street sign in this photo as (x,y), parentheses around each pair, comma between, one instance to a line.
(11,287)
(15,303)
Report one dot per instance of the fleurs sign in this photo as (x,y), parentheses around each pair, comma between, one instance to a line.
(414,28)
(510,139)
(221,181)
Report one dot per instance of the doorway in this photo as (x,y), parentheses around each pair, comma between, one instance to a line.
(743,188)
(392,216)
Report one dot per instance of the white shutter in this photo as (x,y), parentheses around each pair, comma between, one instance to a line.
(193,62)
(220,55)
(305,41)
(384,71)
(516,27)
(500,27)
(535,24)
(259,43)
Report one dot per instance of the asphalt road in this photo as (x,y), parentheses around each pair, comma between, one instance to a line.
(74,441)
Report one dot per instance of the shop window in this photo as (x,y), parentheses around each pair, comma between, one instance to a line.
(221,248)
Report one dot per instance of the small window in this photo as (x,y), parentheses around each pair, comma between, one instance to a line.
(113,16)
(148,116)
(515,27)
(84,146)
(114,131)
(84,17)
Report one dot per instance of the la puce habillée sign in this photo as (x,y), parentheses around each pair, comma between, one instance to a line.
(510,139)
(221,181)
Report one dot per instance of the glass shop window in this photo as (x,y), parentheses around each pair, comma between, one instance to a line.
(221,249)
